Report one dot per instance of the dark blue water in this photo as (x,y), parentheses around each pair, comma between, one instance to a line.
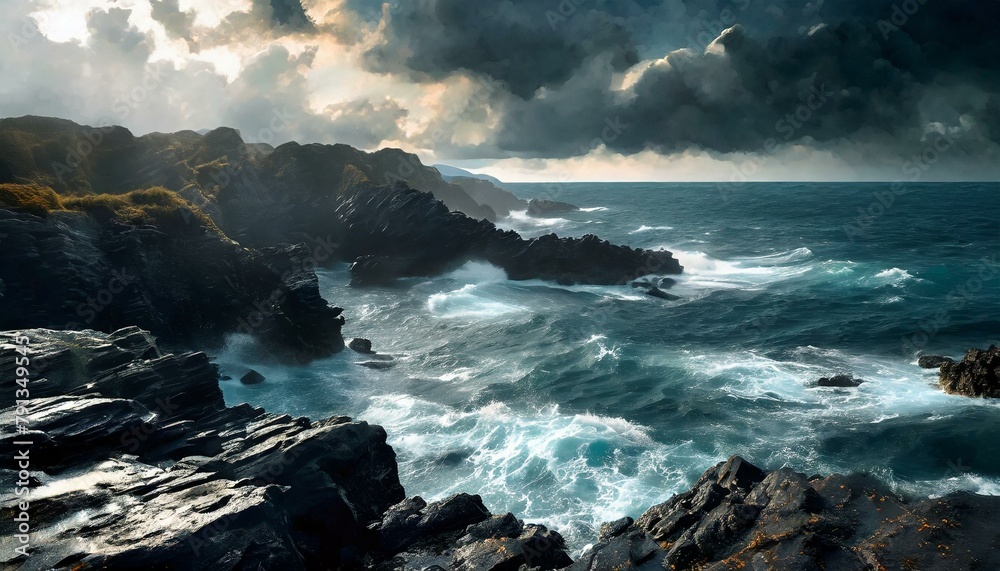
(577,405)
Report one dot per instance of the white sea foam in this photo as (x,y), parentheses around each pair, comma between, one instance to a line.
(645,228)
(893,276)
(468,302)
(519,221)
(594,209)
(568,471)
(704,271)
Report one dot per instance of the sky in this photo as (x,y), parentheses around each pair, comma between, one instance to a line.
(539,90)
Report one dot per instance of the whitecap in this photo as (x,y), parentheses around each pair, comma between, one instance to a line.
(594,209)
(645,228)
(519,221)
(571,472)
(469,302)
(478,273)
(704,271)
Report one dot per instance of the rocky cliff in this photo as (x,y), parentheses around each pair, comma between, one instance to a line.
(136,463)
(148,259)
(386,207)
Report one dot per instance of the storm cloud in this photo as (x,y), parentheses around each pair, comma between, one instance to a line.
(872,82)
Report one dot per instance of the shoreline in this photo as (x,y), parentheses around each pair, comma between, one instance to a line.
(136,451)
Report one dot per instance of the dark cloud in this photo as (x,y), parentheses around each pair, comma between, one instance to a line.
(875,74)
(868,80)
(890,73)
(288,14)
(511,42)
(176,23)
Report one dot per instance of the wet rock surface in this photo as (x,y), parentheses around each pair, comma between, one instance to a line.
(976,375)
(843,380)
(933,361)
(137,463)
(181,280)
(738,516)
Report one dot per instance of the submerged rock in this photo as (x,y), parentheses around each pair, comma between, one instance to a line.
(933,361)
(657,292)
(976,375)
(539,207)
(252,378)
(840,381)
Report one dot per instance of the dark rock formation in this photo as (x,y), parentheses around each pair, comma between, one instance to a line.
(179,278)
(394,216)
(459,533)
(362,346)
(398,232)
(839,381)
(540,207)
(252,378)
(657,292)
(977,375)
(740,517)
(136,452)
(933,361)
(489,194)
(141,452)
(138,464)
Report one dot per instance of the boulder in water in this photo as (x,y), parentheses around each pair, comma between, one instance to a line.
(252,378)
(360,345)
(657,292)
(977,375)
(840,381)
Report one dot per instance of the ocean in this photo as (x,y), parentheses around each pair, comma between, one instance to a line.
(572,406)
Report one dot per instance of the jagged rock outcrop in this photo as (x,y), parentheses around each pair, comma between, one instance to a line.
(177,277)
(485,192)
(137,463)
(933,361)
(976,375)
(397,232)
(384,205)
(141,465)
(738,516)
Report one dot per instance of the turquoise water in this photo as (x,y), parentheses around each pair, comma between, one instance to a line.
(576,405)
